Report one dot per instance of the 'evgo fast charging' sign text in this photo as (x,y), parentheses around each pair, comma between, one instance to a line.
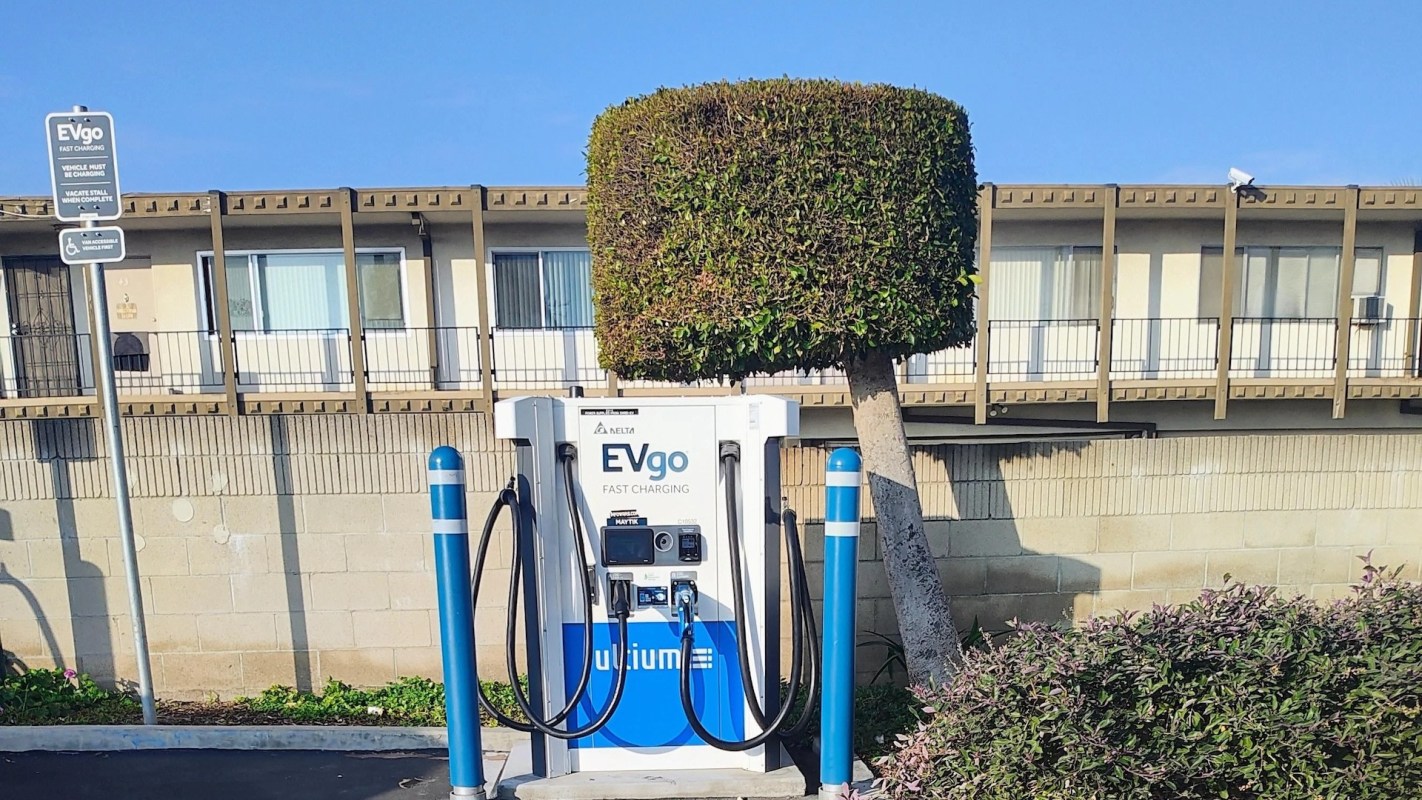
(83,165)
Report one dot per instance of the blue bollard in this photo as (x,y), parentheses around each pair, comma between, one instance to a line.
(842,482)
(456,623)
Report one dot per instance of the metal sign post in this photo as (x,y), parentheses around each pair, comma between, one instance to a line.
(84,171)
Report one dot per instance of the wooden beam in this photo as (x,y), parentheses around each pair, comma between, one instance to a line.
(357,329)
(432,340)
(987,198)
(1106,312)
(1413,311)
(1228,276)
(95,360)
(486,314)
(221,309)
(1344,319)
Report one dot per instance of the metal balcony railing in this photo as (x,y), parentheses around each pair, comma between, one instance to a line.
(413,359)
(1164,348)
(1385,348)
(153,363)
(1268,347)
(955,365)
(46,365)
(796,378)
(1042,350)
(545,359)
(311,360)
(163,363)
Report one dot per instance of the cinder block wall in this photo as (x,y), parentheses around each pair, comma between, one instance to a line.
(272,549)
(292,549)
(1045,531)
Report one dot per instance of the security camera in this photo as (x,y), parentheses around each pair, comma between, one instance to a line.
(1238,178)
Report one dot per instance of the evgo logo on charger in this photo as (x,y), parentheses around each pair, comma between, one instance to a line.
(619,457)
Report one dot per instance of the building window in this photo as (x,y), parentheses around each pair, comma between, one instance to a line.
(543,289)
(305,290)
(1045,283)
(1286,282)
(382,300)
(1368,272)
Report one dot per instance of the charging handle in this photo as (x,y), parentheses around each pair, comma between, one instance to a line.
(621,600)
(685,597)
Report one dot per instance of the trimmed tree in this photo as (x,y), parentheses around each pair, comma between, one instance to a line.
(766,226)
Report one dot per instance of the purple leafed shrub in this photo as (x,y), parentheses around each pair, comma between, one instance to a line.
(1241,694)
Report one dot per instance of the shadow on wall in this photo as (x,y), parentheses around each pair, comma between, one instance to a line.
(62,444)
(10,663)
(990,570)
(283,491)
(83,557)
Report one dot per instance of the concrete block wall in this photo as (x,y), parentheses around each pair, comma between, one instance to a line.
(272,550)
(293,549)
(1068,530)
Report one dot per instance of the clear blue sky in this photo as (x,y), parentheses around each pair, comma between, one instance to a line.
(305,94)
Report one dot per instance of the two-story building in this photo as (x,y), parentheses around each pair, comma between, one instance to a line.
(1097,299)
(1137,416)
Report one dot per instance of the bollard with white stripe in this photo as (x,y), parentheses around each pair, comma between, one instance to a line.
(842,481)
(456,623)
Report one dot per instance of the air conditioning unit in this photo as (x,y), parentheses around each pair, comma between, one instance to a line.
(1368,310)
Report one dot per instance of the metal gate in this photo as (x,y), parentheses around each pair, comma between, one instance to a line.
(43,341)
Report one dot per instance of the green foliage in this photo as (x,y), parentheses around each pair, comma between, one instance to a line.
(501,697)
(895,657)
(783,224)
(1241,694)
(882,713)
(62,697)
(407,701)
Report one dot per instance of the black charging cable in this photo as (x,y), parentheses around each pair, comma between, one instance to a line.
(620,604)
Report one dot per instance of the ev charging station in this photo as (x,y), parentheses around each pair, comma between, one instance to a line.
(631,502)
(648,545)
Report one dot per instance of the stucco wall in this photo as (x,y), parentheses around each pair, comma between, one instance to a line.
(290,549)
(1156,302)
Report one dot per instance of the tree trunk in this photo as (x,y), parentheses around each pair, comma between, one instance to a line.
(931,647)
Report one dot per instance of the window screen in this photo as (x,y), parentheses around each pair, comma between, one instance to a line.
(1368,272)
(382,305)
(550,289)
(518,291)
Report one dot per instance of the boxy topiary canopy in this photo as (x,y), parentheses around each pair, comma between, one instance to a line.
(762,226)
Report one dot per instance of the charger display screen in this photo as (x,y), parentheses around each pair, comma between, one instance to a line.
(627,546)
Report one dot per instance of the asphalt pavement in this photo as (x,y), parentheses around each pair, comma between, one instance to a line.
(228,775)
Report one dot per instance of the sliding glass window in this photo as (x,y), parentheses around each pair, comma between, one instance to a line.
(543,289)
(305,290)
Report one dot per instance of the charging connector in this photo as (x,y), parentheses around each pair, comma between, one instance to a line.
(684,597)
(622,602)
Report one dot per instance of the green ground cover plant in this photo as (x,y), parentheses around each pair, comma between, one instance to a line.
(63,697)
(406,701)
